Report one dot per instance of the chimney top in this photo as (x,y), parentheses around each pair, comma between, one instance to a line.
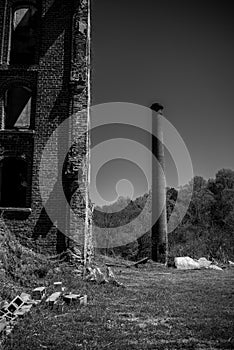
(156,107)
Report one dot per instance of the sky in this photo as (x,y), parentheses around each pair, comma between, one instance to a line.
(179,53)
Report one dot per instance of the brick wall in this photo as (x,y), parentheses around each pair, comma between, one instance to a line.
(59,84)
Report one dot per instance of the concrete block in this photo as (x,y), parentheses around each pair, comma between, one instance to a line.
(53,298)
(71,298)
(15,304)
(83,300)
(2,312)
(38,293)
(58,286)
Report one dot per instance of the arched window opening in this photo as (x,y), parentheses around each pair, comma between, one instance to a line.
(24,33)
(17,108)
(13,182)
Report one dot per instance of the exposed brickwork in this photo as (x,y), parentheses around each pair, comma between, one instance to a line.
(59,84)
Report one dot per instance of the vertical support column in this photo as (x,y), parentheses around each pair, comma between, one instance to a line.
(88,242)
(80,109)
(3,32)
(159,240)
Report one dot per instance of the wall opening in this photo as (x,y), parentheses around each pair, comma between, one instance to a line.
(13,182)
(24,31)
(17,108)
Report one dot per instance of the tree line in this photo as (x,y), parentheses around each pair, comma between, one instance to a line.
(206,229)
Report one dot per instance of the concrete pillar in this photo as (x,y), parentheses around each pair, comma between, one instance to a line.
(159,240)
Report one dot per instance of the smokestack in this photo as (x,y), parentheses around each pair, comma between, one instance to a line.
(159,239)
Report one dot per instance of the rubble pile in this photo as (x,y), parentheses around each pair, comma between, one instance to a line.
(57,298)
(11,313)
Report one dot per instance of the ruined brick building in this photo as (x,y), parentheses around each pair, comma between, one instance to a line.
(44,60)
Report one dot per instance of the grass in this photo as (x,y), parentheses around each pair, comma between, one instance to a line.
(158,309)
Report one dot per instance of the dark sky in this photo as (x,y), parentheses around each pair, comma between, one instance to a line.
(179,53)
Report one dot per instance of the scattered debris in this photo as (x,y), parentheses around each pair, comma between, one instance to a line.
(11,312)
(142,261)
(38,293)
(112,279)
(25,297)
(231,263)
(97,276)
(83,300)
(71,298)
(215,267)
(101,278)
(15,304)
(53,298)
(186,263)
(23,310)
(128,265)
(58,286)
(204,263)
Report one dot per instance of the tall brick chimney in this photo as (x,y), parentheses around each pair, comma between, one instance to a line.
(159,240)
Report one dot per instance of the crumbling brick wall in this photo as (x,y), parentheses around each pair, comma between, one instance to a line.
(58,80)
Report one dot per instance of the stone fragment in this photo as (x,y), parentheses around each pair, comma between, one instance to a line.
(100,277)
(91,275)
(215,267)
(111,277)
(83,300)
(204,263)
(25,297)
(52,298)
(186,263)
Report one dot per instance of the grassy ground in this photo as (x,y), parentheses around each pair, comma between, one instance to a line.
(159,309)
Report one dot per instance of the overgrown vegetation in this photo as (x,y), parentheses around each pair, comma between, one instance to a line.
(20,267)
